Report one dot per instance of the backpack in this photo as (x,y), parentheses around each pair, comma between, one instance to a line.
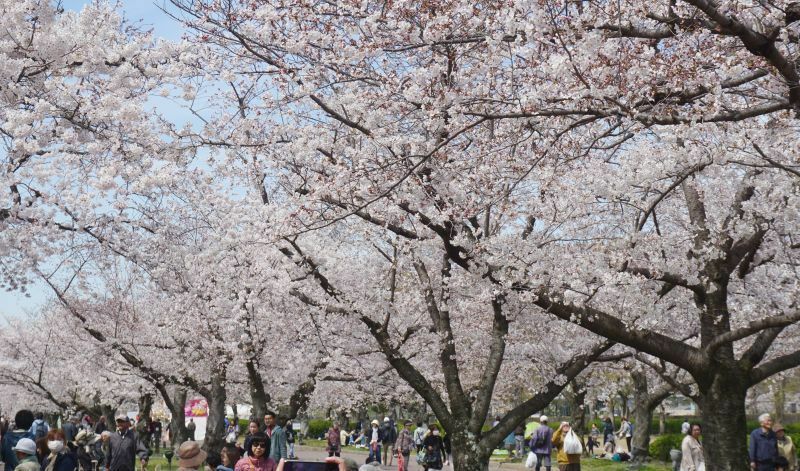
(40,430)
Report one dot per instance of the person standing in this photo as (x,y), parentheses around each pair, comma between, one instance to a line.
(155,434)
(191,428)
(434,449)
(519,439)
(25,450)
(101,425)
(22,429)
(277,437)
(787,452)
(86,452)
(692,450)
(124,446)
(542,444)
(389,437)
(763,445)
(419,435)
(404,444)
(61,457)
(252,430)
(40,427)
(334,445)
(608,430)
(71,427)
(625,431)
(375,439)
(290,437)
(594,437)
(566,462)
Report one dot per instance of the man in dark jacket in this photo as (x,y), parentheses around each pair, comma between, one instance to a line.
(763,445)
(22,424)
(71,428)
(123,448)
(389,437)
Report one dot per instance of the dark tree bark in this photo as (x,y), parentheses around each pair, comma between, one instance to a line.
(645,401)
(215,424)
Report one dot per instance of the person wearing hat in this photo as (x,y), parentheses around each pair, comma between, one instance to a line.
(257,458)
(787,453)
(190,456)
(124,446)
(25,450)
(61,457)
(375,440)
(404,444)
(542,444)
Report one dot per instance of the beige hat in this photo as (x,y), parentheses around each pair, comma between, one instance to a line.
(375,422)
(191,455)
(777,428)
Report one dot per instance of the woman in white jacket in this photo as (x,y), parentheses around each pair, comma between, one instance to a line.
(692,451)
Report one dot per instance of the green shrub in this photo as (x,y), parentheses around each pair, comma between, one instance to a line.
(660,447)
(318,427)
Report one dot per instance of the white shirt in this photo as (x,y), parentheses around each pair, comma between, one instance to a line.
(374,435)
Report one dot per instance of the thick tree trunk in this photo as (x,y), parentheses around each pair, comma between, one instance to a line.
(467,454)
(177,424)
(724,422)
(258,396)
(215,425)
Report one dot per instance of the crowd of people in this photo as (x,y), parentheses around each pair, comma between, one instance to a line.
(30,444)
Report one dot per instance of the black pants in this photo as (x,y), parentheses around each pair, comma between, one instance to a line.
(628,441)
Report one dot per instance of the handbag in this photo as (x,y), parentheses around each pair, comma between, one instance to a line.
(572,444)
(421,457)
(530,463)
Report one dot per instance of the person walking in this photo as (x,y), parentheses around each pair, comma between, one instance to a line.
(124,446)
(40,427)
(191,429)
(404,444)
(191,456)
(257,458)
(594,439)
(787,452)
(435,454)
(692,450)
(625,431)
(277,437)
(25,450)
(334,445)
(566,461)
(22,429)
(763,445)
(290,437)
(419,435)
(542,444)
(608,430)
(389,437)
(375,440)
(61,457)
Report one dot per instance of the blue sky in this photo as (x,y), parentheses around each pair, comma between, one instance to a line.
(148,13)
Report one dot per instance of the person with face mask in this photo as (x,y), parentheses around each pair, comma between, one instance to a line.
(404,444)
(124,446)
(61,457)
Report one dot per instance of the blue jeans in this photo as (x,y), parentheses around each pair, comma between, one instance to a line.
(375,453)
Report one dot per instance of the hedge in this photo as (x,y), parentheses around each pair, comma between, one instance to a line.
(660,447)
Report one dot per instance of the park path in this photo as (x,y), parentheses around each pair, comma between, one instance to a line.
(307,453)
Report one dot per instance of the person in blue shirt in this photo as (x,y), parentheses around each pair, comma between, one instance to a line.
(22,425)
(763,445)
